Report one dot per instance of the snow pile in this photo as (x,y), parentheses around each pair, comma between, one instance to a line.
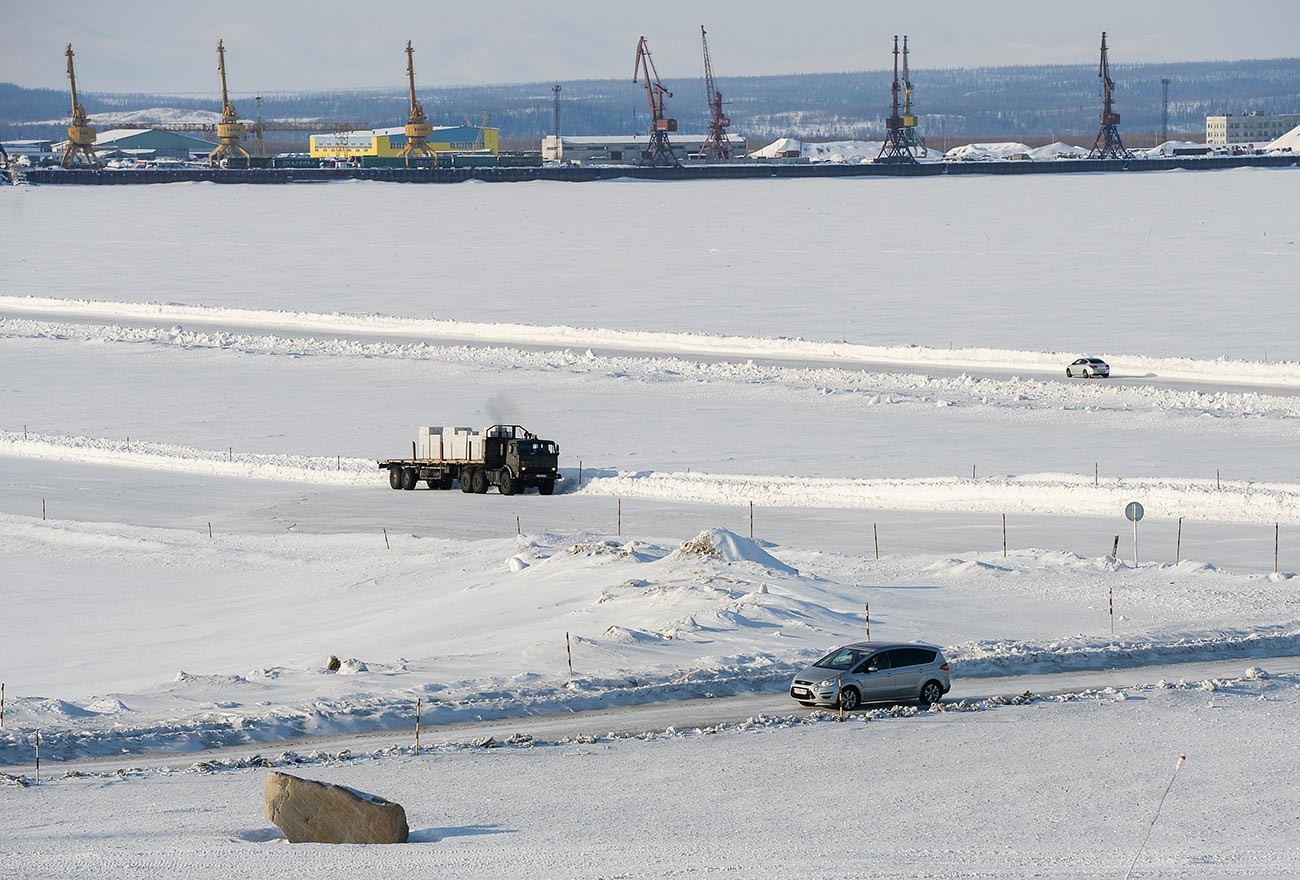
(986,152)
(1058,150)
(1167,149)
(1237,371)
(1289,142)
(730,547)
(835,152)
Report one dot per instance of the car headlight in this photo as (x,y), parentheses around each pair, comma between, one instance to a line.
(830,682)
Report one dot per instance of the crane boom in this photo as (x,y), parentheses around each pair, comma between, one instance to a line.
(418,128)
(81,134)
(229,129)
(658,150)
(716,145)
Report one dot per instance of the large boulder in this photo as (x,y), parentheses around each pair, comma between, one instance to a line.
(308,811)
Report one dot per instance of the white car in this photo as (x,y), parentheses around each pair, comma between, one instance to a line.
(1088,368)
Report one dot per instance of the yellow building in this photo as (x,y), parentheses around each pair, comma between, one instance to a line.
(388,142)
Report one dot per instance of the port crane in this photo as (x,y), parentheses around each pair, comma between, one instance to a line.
(418,128)
(716,146)
(1109,145)
(229,129)
(895,150)
(658,151)
(81,134)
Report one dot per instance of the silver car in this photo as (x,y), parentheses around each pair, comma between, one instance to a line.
(1088,368)
(872,672)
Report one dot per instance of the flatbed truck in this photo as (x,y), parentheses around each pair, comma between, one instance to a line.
(506,456)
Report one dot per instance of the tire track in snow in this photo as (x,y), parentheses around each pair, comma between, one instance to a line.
(1071,494)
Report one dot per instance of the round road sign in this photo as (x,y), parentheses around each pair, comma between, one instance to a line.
(1134,511)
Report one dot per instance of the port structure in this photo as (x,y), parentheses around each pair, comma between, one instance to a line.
(1164,110)
(418,128)
(1109,145)
(658,151)
(895,150)
(229,129)
(716,146)
(910,135)
(81,134)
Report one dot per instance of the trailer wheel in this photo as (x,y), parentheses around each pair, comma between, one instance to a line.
(480,481)
(506,482)
(433,484)
(409,479)
(467,480)
(546,486)
(395,477)
(445,482)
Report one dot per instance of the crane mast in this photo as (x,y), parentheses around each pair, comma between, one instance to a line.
(418,128)
(229,129)
(910,136)
(716,145)
(81,134)
(658,150)
(1109,145)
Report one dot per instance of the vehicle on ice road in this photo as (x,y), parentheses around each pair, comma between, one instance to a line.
(506,456)
(872,672)
(1088,368)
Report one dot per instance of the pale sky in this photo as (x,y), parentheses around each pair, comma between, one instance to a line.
(133,45)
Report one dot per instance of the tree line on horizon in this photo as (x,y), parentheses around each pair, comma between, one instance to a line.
(1058,102)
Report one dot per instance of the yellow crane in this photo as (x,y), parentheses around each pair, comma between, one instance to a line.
(81,134)
(418,129)
(229,129)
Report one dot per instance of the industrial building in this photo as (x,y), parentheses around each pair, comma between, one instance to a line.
(389,142)
(148,143)
(625,149)
(1248,128)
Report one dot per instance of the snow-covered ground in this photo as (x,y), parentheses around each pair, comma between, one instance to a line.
(192,523)
(1066,786)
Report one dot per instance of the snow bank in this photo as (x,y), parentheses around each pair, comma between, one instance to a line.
(1059,150)
(1033,493)
(839,152)
(1222,369)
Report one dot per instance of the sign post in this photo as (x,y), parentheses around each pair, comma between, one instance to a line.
(1134,513)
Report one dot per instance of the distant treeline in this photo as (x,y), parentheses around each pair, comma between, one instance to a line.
(1011,103)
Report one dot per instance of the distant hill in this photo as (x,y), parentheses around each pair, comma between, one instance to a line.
(1009,103)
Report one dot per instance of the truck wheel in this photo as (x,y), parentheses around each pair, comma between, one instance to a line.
(480,481)
(547,486)
(409,479)
(445,482)
(467,480)
(395,477)
(506,482)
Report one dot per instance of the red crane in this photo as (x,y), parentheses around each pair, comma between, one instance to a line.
(1109,145)
(658,151)
(716,145)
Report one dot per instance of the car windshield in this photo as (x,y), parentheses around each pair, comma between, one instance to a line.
(842,659)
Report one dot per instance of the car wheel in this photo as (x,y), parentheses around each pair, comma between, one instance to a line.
(1087,374)
(849,699)
(1069,374)
(931,693)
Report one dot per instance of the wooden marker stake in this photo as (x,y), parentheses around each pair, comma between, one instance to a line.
(38,756)
(868,613)
(1276,530)
(418,702)
(519,529)
(1178,544)
(568,649)
(386,544)
(2,704)
(751,520)
(620,516)
(1004,536)
(876,534)
(1111,601)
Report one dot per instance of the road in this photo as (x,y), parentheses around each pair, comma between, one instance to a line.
(680,714)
